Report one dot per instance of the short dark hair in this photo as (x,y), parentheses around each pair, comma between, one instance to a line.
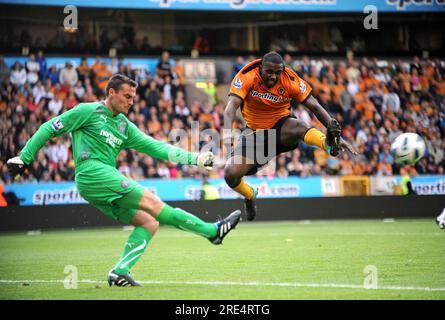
(117,80)
(273,57)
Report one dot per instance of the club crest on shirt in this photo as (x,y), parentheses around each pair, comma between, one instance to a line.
(238,83)
(124,184)
(122,126)
(281,90)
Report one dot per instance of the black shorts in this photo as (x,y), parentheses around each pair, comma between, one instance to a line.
(261,146)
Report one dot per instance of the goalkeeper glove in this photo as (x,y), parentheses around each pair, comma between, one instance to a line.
(206,160)
(15,166)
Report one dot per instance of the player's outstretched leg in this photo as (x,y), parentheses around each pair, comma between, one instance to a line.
(225,226)
(329,142)
(145,228)
(183,220)
(121,280)
(250,193)
(234,171)
(250,204)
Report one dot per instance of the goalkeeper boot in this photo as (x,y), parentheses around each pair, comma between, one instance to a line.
(121,280)
(250,205)
(225,225)
(333,137)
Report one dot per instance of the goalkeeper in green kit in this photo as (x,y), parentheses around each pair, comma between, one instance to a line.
(100,130)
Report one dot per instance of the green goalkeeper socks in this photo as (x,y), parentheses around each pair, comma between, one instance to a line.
(183,220)
(134,248)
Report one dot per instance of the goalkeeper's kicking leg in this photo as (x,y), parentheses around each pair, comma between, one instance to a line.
(153,211)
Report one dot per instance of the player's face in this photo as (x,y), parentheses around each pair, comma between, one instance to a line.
(123,99)
(271,72)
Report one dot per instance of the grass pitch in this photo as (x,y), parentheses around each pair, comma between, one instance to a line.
(404,259)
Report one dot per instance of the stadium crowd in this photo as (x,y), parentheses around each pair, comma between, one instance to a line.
(374,101)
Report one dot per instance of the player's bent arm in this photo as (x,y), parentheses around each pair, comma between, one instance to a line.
(322,115)
(232,106)
(316,108)
(65,123)
(141,142)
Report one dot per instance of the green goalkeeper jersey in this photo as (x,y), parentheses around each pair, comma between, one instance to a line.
(99,135)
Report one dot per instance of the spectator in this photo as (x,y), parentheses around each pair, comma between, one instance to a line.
(33,69)
(153,94)
(136,171)
(53,75)
(391,101)
(68,75)
(303,115)
(102,76)
(181,110)
(4,69)
(18,76)
(163,171)
(178,74)
(125,169)
(167,89)
(39,92)
(55,105)
(57,152)
(238,65)
(112,66)
(79,90)
(43,66)
(164,68)
(83,70)
(353,73)
(201,44)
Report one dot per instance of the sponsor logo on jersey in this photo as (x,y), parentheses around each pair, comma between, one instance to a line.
(112,140)
(103,118)
(268,96)
(57,124)
(238,83)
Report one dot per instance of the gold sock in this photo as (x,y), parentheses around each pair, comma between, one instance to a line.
(244,189)
(315,137)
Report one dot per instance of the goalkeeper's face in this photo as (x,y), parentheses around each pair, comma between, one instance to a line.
(122,100)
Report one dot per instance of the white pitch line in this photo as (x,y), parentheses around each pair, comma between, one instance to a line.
(248,284)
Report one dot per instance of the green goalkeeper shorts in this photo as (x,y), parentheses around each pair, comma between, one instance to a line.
(108,190)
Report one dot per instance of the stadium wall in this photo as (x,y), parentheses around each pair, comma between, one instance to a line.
(23,218)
